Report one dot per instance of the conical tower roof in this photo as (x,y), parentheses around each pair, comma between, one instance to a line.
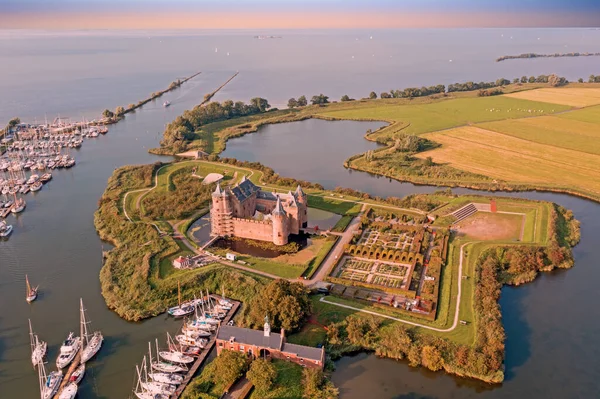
(299,191)
(217,191)
(278,208)
(292,200)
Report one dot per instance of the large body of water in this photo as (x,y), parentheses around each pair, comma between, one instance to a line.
(552,325)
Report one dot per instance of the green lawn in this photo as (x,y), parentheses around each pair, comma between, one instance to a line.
(288,384)
(333,205)
(314,263)
(341,224)
(589,114)
(442,115)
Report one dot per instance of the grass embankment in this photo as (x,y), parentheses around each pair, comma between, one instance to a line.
(133,281)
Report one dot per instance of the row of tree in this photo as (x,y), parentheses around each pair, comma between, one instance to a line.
(182,129)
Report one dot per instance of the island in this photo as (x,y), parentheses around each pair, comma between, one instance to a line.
(415,278)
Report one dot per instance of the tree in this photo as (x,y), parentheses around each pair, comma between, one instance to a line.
(119,111)
(316,386)
(428,161)
(108,114)
(524,79)
(260,104)
(262,375)
(554,80)
(13,122)
(229,366)
(292,103)
(515,80)
(319,99)
(432,358)
(302,101)
(285,303)
(580,80)
(345,98)
(532,79)
(372,95)
(385,95)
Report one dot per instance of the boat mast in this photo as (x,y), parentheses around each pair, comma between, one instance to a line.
(42,377)
(28,290)
(179,293)
(83,327)
(31,339)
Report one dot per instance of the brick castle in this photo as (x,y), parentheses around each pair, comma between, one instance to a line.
(248,212)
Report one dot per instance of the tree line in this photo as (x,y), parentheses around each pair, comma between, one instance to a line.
(555,55)
(183,128)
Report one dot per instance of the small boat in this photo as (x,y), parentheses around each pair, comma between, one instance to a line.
(166,378)
(78,374)
(91,342)
(31,292)
(5,229)
(176,357)
(163,366)
(19,206)
(69,392)
(37,186)
(166,104)
(49,384)
(156,387)
(68,351)
(38,348)
(182,309)
(46,177)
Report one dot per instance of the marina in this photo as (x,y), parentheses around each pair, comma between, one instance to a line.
(172,370)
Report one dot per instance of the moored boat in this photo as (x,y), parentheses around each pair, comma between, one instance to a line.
(38,347)
(69,392)
(78,374)
(5,229)
(166,378)
(91,342)
(68,351)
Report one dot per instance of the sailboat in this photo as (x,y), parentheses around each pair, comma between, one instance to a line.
(141,392)
(49,384)
(155,387)
(161,366)
(91,343)
(181,309)
(174,355)
(38,348)
(31,292)
(5,229)
(78,374)
(69,392)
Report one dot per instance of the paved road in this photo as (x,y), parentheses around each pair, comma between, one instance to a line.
(456,312)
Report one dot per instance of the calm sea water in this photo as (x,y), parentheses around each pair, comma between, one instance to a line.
(552,324)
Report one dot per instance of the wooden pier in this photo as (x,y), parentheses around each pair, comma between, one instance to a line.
(209,347)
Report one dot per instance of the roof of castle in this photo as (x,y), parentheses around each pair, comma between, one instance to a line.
(299,191)
(218,190)
(278,208)
(244,189)
(293,202)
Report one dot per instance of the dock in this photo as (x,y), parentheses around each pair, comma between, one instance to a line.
(209,347)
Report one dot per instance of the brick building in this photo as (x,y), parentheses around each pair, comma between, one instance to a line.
(248,212)
(256,343)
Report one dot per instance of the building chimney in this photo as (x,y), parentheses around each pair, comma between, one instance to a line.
(282,342)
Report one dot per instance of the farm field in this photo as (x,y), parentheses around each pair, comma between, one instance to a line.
(590,114)
(575,97)
(559,132)
(423,118)
(515,160)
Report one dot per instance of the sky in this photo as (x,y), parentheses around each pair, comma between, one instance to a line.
(295,14)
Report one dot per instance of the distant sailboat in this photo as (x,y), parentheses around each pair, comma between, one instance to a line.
(50,383)
(38,348)
(91,343)
(31,292)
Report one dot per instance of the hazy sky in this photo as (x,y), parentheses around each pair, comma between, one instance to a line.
(71,14)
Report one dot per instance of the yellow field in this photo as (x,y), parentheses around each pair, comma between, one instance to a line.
(563,96)
(560,132)
(515,160)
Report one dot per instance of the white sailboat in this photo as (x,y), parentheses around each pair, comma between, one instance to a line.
(50,383)
(38,348)
(78,374)
(166,378)
(155,387)
(69,392)
(31,292)
(91,342)
(174,355)
(143,393)
(5,229)
(68,351)
(161,366)
(182,309)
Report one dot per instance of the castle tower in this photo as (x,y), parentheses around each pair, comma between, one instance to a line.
(302,206)
(280,230)
(221,213)
(293,215)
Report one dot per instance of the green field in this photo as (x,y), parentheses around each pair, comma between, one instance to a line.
(442,115)
(590,114)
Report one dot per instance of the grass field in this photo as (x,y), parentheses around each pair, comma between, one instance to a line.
(492,226)
(590,115)
(334,205)
(447,114)
(574,97)
(516,160)
(551,130)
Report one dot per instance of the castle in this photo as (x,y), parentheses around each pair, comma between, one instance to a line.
(248,212)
